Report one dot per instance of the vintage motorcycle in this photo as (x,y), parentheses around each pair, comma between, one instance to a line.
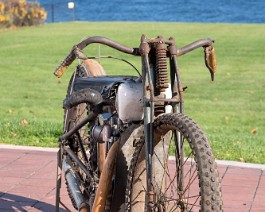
(126,145)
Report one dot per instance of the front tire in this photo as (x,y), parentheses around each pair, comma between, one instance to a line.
(188,184)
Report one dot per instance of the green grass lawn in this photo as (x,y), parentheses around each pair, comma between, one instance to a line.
(229,110)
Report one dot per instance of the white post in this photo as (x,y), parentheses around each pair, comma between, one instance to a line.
(71,5)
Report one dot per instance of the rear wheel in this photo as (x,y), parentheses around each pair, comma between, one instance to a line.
(182,181)
(80,142)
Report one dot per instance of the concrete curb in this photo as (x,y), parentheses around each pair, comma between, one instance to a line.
(220,162)
(30,148)
(240,164)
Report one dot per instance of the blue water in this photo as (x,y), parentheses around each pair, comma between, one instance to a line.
(214,11)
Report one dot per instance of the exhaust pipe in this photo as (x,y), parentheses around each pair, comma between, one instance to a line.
(74,187)
(105,179)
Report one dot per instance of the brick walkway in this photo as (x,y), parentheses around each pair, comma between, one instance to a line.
(28,183)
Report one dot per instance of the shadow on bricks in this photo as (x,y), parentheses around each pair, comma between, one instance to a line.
(11,202)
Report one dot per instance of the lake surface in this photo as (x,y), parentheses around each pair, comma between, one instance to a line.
(221,11)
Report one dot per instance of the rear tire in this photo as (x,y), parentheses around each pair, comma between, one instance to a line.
(201,190)
(74,115)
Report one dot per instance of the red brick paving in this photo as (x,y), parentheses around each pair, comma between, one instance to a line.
(28,179)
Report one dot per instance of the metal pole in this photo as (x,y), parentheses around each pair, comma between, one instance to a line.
(74,11)
(52,11)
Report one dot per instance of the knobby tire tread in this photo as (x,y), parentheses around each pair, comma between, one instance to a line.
(209,181)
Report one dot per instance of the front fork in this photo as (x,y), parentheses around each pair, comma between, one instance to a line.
(149,100)
(148,128)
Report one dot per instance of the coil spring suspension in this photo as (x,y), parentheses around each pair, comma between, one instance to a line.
(161,68)
(161,76)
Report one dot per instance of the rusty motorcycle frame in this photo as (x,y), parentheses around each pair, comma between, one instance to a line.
(115,120)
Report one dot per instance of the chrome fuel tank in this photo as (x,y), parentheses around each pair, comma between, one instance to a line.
(129,101)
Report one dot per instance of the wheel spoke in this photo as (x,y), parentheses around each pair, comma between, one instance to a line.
(191,181)
(182,186)
(171,185)
(166,171)
(194,204)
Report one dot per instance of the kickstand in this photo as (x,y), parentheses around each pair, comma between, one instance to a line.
(59,179)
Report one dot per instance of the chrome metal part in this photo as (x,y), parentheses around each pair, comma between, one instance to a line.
(129,101)
(168,95)
(101,134)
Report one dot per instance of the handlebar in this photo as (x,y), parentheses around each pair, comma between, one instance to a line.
(76,50)
(190,47)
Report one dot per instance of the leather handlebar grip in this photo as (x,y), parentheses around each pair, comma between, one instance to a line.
(64,64)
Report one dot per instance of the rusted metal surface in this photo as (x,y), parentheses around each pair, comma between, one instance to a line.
(154,80)
(133,51)
(105,179)
(195,45)
(210,60)
(161,67)
(93,67)
(101,156)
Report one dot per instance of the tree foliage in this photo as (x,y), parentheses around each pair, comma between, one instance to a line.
(21,13)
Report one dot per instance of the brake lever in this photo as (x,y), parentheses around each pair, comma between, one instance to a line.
(210,60)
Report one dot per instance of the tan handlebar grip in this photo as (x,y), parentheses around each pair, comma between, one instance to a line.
(64,64)
(60,70)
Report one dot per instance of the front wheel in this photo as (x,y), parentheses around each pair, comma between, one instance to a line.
(184,174)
